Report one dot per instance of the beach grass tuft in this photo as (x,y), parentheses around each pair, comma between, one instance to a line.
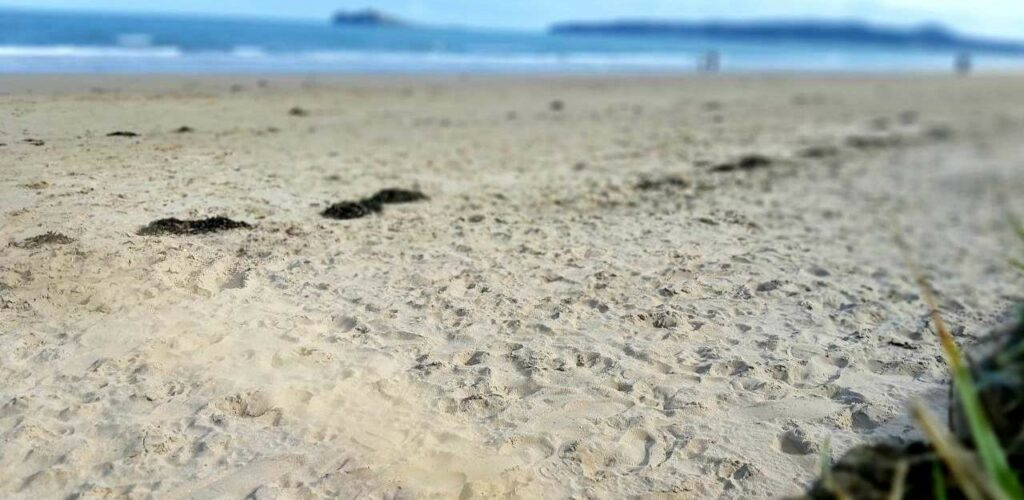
(996,479)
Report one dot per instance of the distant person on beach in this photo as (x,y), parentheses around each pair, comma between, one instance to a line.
(963,64)
(710,62)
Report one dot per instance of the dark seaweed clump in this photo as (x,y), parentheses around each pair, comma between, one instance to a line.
(815,152)
(47,238)
(873,141)
(191,227)
(122,133)
(351,210)
(361,208)
(394,196)
(667,183)
(748,162)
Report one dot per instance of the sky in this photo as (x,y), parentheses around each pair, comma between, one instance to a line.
(1003,18)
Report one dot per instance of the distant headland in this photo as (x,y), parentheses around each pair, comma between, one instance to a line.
(925,36)
(366,17)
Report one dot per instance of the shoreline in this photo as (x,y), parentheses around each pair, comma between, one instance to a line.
(76,83)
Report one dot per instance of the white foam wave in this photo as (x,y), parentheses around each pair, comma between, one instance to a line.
(77,51)
(511,59)
(251,51)
(341,56)
(67,58)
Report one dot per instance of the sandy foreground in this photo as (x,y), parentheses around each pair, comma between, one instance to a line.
(588,305)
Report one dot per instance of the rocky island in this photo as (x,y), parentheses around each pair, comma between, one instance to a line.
(928,36)
(366,17)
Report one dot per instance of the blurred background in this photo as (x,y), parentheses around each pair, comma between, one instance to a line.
(528,36)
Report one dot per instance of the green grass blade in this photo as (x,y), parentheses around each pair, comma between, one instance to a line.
(938,482)
(1018,227)
(993,458)
(899,481)
(971,480)
(825,458)
(1017,224)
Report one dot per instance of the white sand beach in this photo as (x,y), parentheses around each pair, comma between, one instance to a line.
(649,287)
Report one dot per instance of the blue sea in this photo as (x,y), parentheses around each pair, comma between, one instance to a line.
(51,42)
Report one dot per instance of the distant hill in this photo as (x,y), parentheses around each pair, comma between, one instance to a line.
(926,36)
(366,17)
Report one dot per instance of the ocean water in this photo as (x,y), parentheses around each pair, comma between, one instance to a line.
(47,42)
